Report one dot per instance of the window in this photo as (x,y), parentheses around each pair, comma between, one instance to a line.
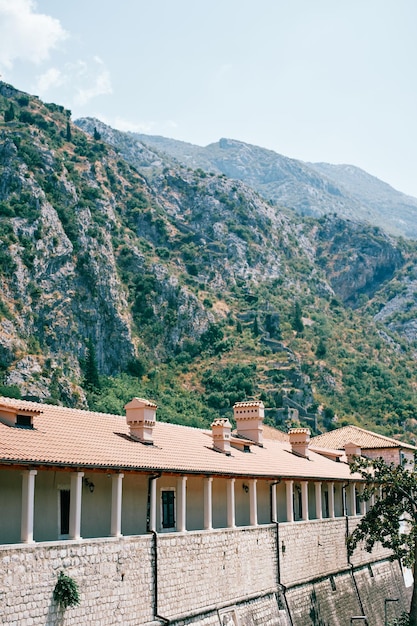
(326,504)
(297,503)
(24,421)
(168,508)
(357,503)
(64,511)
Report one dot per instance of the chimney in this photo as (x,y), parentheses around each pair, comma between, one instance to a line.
(221,429)
(351,450)
(249,417)
(299,440)
(141,418)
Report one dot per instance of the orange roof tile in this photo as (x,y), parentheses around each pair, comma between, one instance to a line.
(269,432)
(77,438)
(365,439)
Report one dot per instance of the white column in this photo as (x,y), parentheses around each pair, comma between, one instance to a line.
(253,516)
(75,505)
(289,491)
(274,516)
(208,503)
(352,499)
(116,505)
(330,491)
(28,505)
(152,506)
(181,504)
(231,522)
(304,499)
(319,506)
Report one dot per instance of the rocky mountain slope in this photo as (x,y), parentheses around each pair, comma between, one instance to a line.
(125,273)
(308,188)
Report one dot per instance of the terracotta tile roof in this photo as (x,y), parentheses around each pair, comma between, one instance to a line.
(365,439)
(269,432)
(85,439)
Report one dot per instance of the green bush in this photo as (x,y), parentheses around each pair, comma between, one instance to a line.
(66,591)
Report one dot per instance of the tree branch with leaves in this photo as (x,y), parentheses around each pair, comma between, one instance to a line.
(392,520)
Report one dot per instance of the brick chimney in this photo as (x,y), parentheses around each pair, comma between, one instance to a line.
(249,417)
(351,450)
(299,440)
(221,430)
(141,418)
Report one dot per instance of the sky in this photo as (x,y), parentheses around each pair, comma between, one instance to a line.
(315,80)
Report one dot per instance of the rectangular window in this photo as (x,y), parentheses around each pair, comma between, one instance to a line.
(64,511)
(357,503)
(24,421)
(168,509)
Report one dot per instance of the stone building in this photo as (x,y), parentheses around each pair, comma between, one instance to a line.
(160,523)
(354,440)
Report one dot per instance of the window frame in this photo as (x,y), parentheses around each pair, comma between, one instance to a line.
(173,515)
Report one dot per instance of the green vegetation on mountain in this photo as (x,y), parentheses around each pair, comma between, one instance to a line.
(124,274)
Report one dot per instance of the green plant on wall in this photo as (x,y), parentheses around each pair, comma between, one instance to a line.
(66,591)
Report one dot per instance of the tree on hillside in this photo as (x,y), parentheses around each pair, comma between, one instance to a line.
(392,520)
(91,376)
(9,114)
(297,321)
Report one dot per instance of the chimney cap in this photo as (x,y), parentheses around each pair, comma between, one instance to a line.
(221,421)
(256,403)
(299,431)
(138,403)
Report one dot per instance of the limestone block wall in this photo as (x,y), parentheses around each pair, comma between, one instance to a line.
(335,599)
(377,582)
(360,555)
(114,578)
(312,549)
(263,611)
(203,570)
(198,574)
(319,604)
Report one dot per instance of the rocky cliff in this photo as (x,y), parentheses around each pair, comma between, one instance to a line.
(308,188)
(124,272)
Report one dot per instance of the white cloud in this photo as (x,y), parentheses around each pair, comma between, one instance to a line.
(76,83)
(92,81)
(49,79)
(25,34)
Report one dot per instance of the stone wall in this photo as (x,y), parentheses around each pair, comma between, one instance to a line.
(312,549)
(360,555)
(337,598)
(190,578)
(200,570)
(114,577)
(324,601)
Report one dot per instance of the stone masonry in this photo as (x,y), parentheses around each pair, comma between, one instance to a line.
(191,577)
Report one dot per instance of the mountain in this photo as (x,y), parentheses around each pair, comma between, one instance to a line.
(309,188)
(126,273)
